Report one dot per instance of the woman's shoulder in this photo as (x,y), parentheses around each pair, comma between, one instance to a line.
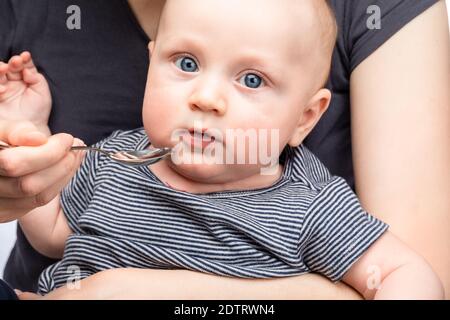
(364,25)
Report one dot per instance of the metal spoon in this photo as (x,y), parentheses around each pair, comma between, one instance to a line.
(135,158)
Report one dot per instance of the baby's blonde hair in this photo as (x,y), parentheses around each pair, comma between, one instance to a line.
(330,28)
(329,31)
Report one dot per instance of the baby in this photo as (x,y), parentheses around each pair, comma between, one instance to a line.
(228,82)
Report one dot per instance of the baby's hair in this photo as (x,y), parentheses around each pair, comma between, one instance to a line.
(329,31)
(333,28)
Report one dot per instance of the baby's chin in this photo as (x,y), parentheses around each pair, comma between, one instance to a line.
(230,175)
(201,172)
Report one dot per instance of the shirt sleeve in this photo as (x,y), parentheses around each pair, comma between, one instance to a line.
(362,33)
(337,231)
(7,29)
(77,195)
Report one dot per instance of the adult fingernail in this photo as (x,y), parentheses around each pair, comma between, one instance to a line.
(77,142)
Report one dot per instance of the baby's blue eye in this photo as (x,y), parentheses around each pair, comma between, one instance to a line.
(252,81)
(186,64)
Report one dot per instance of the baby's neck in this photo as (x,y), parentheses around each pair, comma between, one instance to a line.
(163,171)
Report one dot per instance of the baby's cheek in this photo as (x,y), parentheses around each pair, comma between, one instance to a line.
(156,128)
(156,135)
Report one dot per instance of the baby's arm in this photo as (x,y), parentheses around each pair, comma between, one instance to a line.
(391,270)
(46,229)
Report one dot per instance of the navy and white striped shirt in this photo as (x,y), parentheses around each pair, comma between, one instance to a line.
(308,221)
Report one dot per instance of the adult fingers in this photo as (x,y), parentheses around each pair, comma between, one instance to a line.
(21,161)
(40,188)
(39,182)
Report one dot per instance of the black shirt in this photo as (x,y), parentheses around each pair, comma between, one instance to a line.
(97,77)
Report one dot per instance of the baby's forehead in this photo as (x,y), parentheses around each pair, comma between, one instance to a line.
(292,21)
(295,33)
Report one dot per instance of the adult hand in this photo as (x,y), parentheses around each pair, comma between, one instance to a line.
(34,172)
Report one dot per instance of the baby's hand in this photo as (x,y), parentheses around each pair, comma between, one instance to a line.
(24,93)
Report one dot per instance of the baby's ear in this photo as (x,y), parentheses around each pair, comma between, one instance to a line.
(311,114)
(151,47)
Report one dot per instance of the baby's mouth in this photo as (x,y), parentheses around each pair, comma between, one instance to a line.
(199,138)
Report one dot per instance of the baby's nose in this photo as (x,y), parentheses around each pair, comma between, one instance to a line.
(208,99)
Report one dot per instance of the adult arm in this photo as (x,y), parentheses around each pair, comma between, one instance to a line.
(400,132)
(184,284)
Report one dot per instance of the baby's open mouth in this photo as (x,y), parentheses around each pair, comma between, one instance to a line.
(203,134)
(199,138)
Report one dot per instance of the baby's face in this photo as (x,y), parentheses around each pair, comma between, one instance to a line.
(225,66)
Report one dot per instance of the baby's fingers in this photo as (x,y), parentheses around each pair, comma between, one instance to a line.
(28,62)
(30,77)
(30,72)
(15,68)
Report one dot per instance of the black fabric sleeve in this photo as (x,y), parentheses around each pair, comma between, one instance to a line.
(7,29)
(362,41)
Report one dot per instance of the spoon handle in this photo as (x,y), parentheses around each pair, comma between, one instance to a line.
(90,148)
(4,145)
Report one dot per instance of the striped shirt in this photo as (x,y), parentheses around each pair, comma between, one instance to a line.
(308,221)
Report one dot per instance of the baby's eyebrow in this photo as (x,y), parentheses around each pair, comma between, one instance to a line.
(261,62)
(185,41)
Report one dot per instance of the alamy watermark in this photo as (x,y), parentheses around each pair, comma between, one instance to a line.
(73,21)
(74,277)
(235,146)
(374,20)
(374,280)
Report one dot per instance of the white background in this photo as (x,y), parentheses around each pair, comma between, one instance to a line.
(8,230)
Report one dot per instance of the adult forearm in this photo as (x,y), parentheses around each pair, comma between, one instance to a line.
(183,284)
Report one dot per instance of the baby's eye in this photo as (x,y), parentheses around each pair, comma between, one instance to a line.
(251,80)
(186,64)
